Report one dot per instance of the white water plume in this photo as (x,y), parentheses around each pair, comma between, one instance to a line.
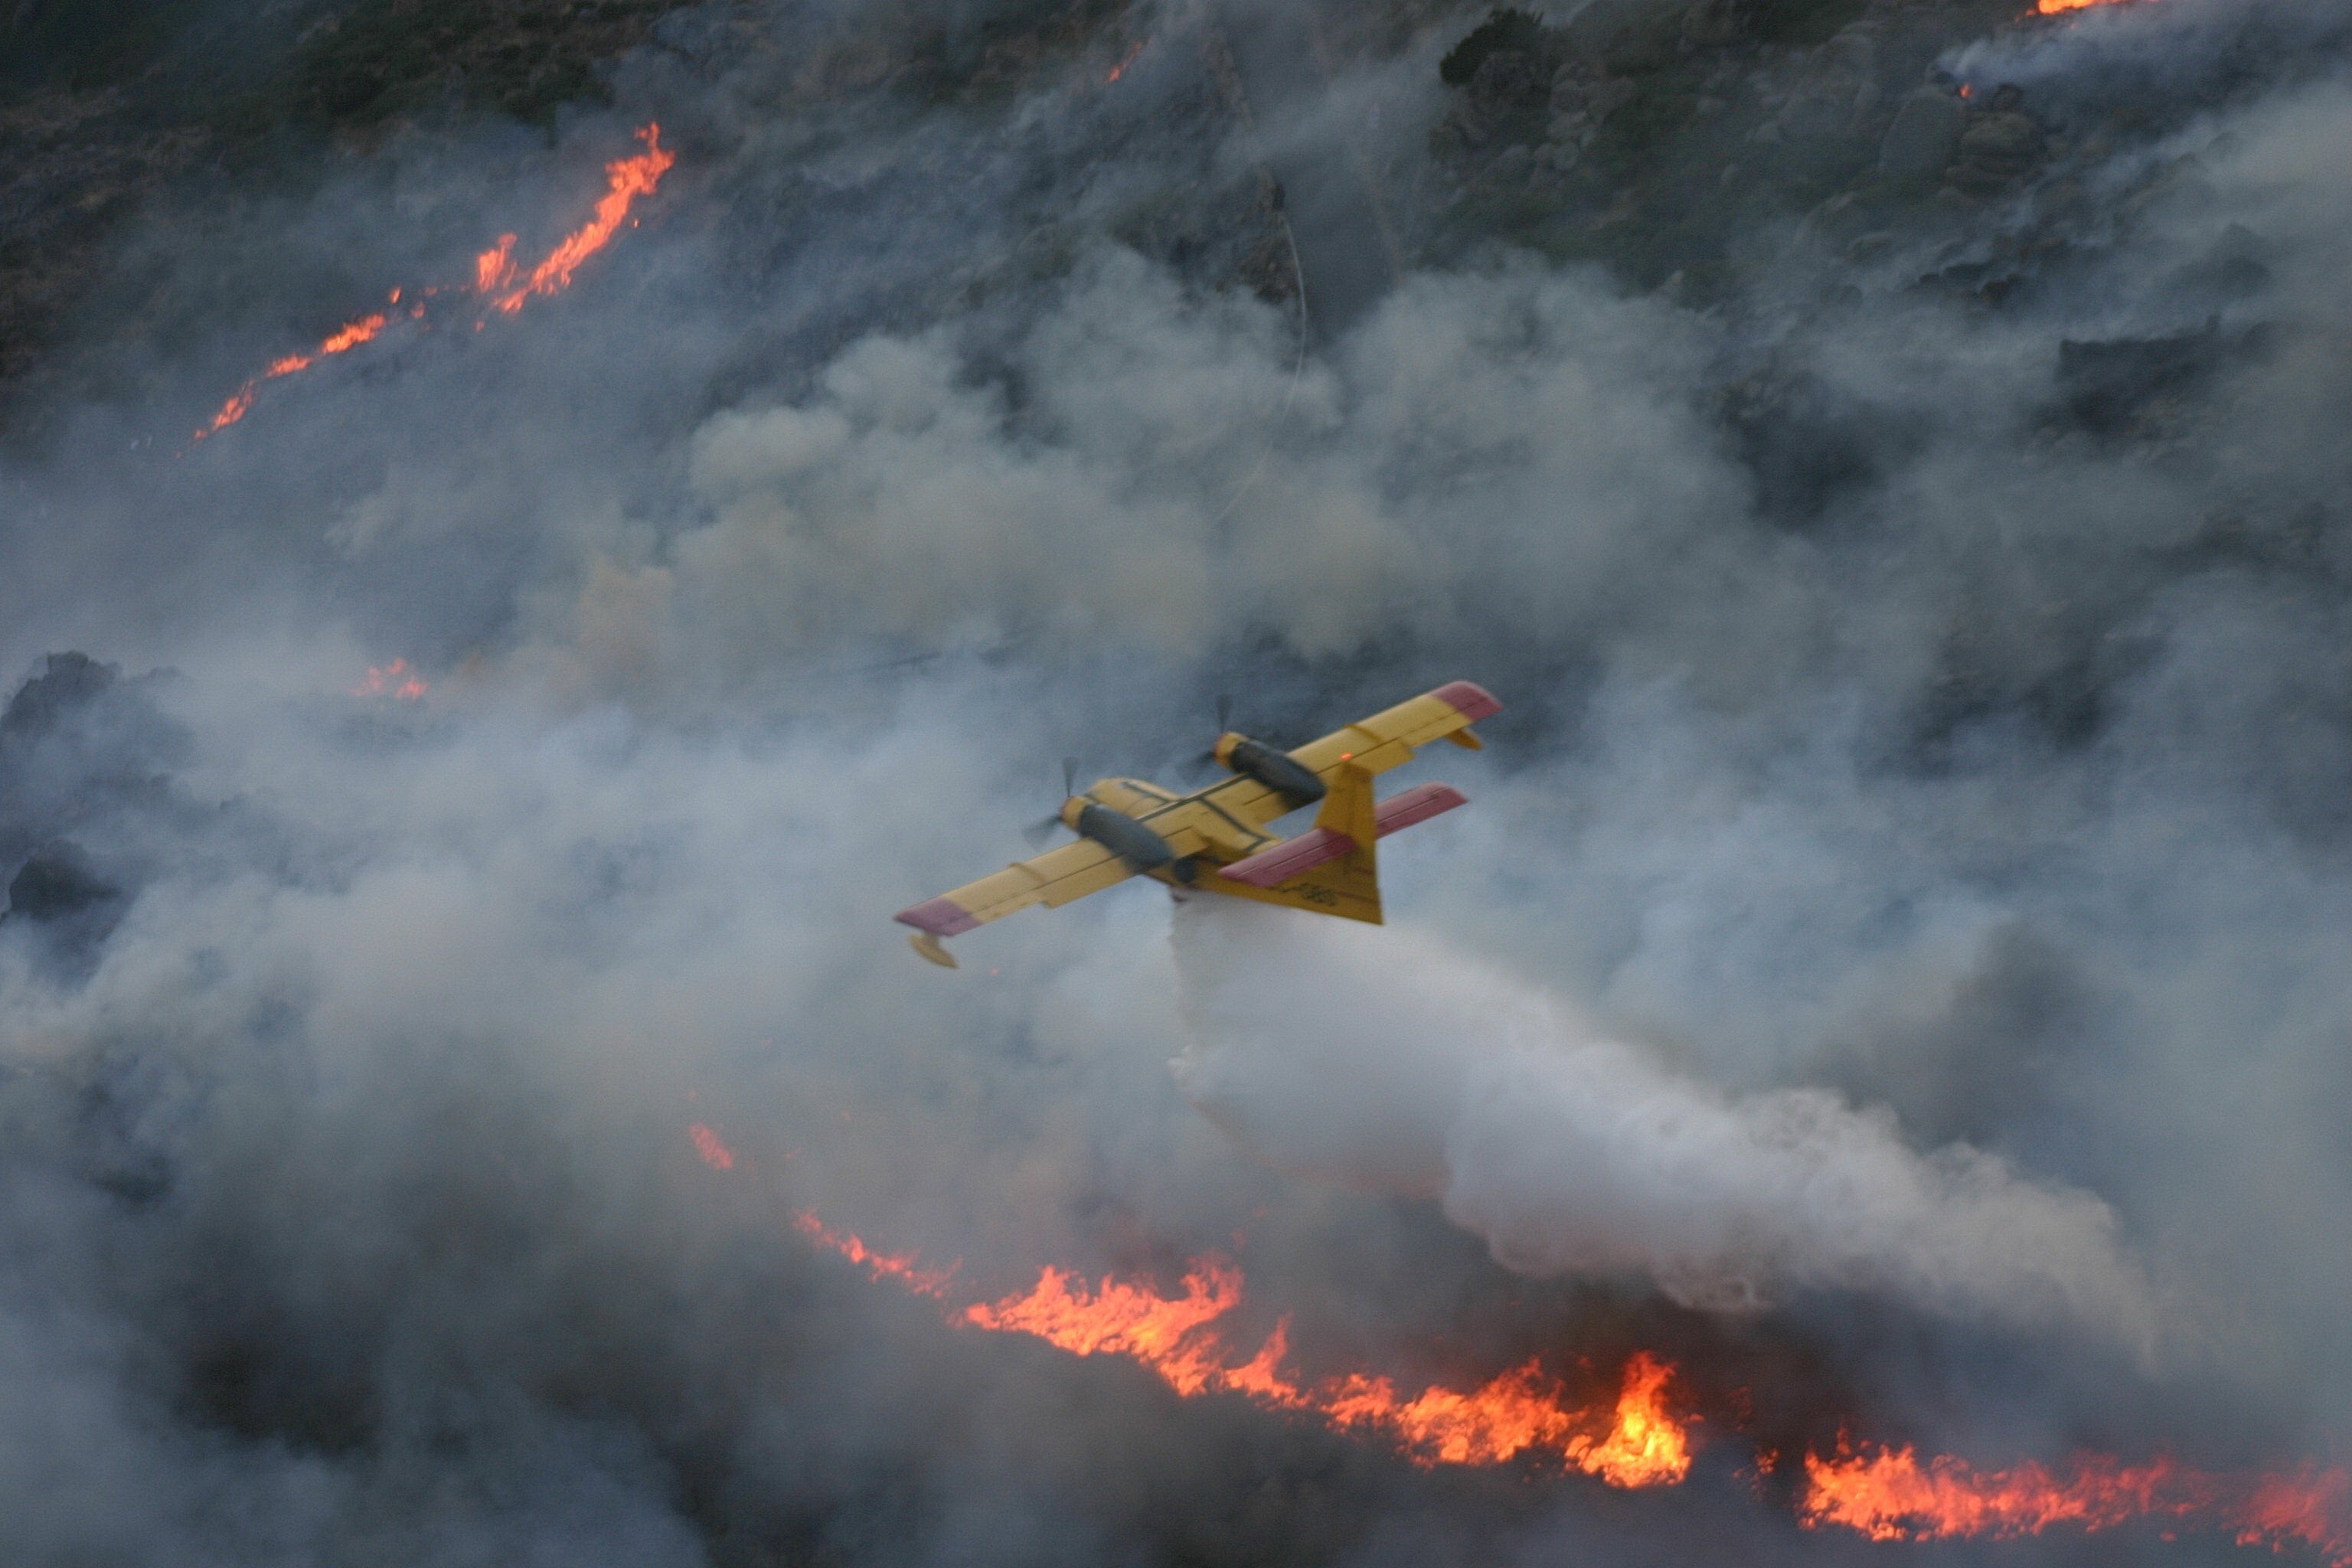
(1385,1058)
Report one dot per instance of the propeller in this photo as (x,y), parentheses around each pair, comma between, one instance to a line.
(1043,828)
(1224,722)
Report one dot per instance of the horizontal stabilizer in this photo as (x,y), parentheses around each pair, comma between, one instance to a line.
(1416,806)
(1295,856)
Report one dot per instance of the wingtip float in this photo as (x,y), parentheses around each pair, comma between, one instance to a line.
(1214,840)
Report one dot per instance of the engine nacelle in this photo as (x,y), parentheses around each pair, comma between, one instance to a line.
(1143,850)
(1278,771)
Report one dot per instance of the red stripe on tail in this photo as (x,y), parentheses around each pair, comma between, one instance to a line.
(1296,857)
(1288,859)
(1417,804)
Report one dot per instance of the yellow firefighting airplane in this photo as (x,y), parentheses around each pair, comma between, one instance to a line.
(1214,840)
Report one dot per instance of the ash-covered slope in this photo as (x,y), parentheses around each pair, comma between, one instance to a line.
(1906,524)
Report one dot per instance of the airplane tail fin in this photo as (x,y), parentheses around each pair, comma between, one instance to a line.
(1334,867)
(1352,877)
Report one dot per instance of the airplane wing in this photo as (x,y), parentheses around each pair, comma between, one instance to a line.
(1390,736)
(1054,877)
(1375,744)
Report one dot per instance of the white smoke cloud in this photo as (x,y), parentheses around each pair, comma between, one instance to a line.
(1386,1057)
(1490,450)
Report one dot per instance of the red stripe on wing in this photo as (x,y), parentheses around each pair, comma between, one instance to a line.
(940,917)
(1471,700)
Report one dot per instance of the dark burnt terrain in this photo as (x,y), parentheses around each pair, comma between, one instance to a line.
(103,108)
(107,112)
(1672,143)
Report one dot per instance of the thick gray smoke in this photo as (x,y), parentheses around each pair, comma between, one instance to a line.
(1395,1060)
(1893,961)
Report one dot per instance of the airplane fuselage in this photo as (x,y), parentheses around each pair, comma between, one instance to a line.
(1111,810)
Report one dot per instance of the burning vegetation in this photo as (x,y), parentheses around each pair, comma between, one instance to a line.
(1892,1495)
(1635,1440)
(499,282)
(397,680)
(1643,1438)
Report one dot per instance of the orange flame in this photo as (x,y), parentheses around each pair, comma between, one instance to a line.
(495,274)
(627,179)
(1115,1319)
(1891,1495)
(2306,1508)
(1125,60)
(901,1266)
(1885,1494)
(351,336)
(1523,1411)
(239,404)
(711,1147)
(1636,1443)
(2053,7)
(1648,1445)
(494,268)
(396,680)
(355,333)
